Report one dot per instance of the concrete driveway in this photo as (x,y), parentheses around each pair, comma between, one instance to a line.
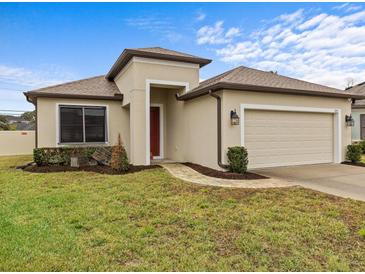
(337,179)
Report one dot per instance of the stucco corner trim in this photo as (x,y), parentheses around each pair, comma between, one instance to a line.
(337,122)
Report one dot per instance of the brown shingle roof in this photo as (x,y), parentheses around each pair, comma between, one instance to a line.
(94,88)
(359,89)
(154,53)
(244,78)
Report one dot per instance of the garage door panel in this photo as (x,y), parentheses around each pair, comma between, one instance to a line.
(279,138)
(289,151)
(290,148)
(264,139)
(275,132)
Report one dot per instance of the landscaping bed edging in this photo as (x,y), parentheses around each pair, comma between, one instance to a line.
(97,169)
(224,174)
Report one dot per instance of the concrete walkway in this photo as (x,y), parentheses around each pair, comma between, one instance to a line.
(188,174)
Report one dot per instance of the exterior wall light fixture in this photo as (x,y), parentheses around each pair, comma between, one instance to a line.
(235,119)
(349,121)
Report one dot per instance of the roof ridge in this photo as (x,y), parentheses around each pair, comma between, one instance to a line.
(220,76)
(288,77)
(66,83)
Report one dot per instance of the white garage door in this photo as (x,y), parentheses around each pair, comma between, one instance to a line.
(279,138)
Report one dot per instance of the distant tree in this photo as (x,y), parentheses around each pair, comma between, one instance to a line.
(28,116)
(349,82)
(4,123)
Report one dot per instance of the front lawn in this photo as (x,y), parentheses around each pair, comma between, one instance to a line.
(150,221)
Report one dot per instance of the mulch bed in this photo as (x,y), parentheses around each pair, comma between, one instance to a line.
(224,174)
(97,169)
(353,164)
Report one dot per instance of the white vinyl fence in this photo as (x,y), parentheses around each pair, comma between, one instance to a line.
(17,142)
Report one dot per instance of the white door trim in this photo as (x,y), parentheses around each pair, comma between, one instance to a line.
(337,122)
(147,107)
(160,106)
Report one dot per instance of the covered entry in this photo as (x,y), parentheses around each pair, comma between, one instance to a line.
(283,136)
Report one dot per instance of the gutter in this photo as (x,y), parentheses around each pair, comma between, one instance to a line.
(241,87)
(29,95)
(219,126)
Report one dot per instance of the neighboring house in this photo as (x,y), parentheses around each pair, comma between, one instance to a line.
(153,98)
(19,123)
(358,112)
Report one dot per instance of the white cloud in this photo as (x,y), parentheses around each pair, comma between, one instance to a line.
(323,48)
(15,80)
(347,7)
(292,17)
(200,16)
(216,34)
(33,78)
(313,21)
(158,25)
(233,32)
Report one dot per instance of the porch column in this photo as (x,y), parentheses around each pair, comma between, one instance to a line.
(138,128)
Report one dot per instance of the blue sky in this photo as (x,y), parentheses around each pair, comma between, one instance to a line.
(48,43)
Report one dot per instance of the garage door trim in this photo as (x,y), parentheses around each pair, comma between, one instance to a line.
(337,121)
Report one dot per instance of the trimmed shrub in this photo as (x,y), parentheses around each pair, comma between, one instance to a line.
(237,159)
(353,153)
(362,145)
(61,155)
(39,157)
(119,160)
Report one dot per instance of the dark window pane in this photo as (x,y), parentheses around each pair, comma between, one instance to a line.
(71,125)
(95,124)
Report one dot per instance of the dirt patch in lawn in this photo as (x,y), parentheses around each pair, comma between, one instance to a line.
(224,174)
(97,169)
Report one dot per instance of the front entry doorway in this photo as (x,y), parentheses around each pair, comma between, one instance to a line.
(155,132)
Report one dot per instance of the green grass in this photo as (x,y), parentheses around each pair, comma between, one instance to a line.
(150,221)
(363,158)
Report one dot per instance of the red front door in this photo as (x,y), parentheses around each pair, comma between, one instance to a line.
(155,131)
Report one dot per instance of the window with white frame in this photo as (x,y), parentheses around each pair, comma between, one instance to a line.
(82,124)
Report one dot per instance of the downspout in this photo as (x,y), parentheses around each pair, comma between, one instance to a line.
(36,123)
(219,129)
(219,126)
(34,102)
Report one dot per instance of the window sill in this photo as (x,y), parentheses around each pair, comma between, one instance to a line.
(83,144)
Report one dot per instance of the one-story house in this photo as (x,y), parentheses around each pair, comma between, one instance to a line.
(152,97)
(358,113)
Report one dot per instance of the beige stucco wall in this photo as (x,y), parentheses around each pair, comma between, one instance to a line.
(132,81)
(200,131)
(233,99)
(17,142)
(47,120)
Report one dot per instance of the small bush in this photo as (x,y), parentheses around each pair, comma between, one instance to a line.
(237,159)
(39,157)
(119,160)
(362,145)
(354,153)
(61,155)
